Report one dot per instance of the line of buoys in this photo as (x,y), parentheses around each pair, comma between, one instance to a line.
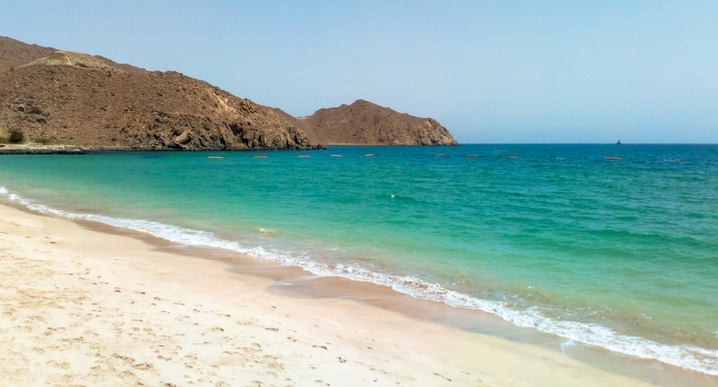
(442,154)
(215,157)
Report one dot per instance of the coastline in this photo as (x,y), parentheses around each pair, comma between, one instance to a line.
(84,306)
(30,149)
(34,149)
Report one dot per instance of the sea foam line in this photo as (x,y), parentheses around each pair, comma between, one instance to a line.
(684,356)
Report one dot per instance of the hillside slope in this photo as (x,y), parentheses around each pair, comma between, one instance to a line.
(365,123)
(14,53)
(90,101)
(78,99)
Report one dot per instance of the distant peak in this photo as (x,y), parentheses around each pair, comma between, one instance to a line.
(366,123)
(362,102)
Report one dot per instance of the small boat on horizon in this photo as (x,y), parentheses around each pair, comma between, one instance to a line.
(619,142)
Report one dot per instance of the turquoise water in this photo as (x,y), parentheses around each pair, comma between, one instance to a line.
(621,254)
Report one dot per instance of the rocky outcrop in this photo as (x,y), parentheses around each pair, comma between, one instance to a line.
(79,99)
(92,102)
(365,123)
(72,59)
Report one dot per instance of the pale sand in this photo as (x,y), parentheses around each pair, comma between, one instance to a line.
(82,307)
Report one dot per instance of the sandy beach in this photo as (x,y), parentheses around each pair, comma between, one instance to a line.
(83,307)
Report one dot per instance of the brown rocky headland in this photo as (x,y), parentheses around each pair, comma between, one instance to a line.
(70,98)
(365,123)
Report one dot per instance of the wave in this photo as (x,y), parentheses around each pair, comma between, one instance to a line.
(684,356)
(399,198)
(267,231)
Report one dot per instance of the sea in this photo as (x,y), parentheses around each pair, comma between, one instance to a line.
(612,247)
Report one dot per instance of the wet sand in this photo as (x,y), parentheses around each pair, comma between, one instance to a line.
(92,308)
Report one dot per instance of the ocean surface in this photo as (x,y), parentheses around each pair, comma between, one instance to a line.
(620,254)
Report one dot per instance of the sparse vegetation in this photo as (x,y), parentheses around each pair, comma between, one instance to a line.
(43,141)
(16,136)
(3,140)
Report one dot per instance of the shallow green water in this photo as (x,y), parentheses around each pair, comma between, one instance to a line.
(621,254)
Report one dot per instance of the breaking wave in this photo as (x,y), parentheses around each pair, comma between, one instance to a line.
(684,356)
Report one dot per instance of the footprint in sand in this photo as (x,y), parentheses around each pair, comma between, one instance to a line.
(53,363)
(143,366)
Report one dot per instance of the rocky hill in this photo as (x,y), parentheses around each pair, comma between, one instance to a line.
(366,123)
(80,99)
(90,101)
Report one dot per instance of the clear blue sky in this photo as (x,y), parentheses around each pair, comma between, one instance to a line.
(490,71)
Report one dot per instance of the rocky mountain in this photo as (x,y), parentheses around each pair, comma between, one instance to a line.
(80,99)
(90,101)
(366,123)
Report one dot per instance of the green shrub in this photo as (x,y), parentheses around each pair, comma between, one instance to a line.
(16,137)
(3,140)
(43,141)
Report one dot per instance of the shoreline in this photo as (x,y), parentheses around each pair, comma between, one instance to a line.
(29,149)
(61,149)
(403,350)
(471,317)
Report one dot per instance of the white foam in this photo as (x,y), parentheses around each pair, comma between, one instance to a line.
(684,356)
(567,344)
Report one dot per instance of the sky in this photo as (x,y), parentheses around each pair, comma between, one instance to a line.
(489,71)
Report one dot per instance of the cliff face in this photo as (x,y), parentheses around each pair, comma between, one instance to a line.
(365,123)
(83,100)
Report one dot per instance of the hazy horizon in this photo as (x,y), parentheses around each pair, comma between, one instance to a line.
(490,72)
